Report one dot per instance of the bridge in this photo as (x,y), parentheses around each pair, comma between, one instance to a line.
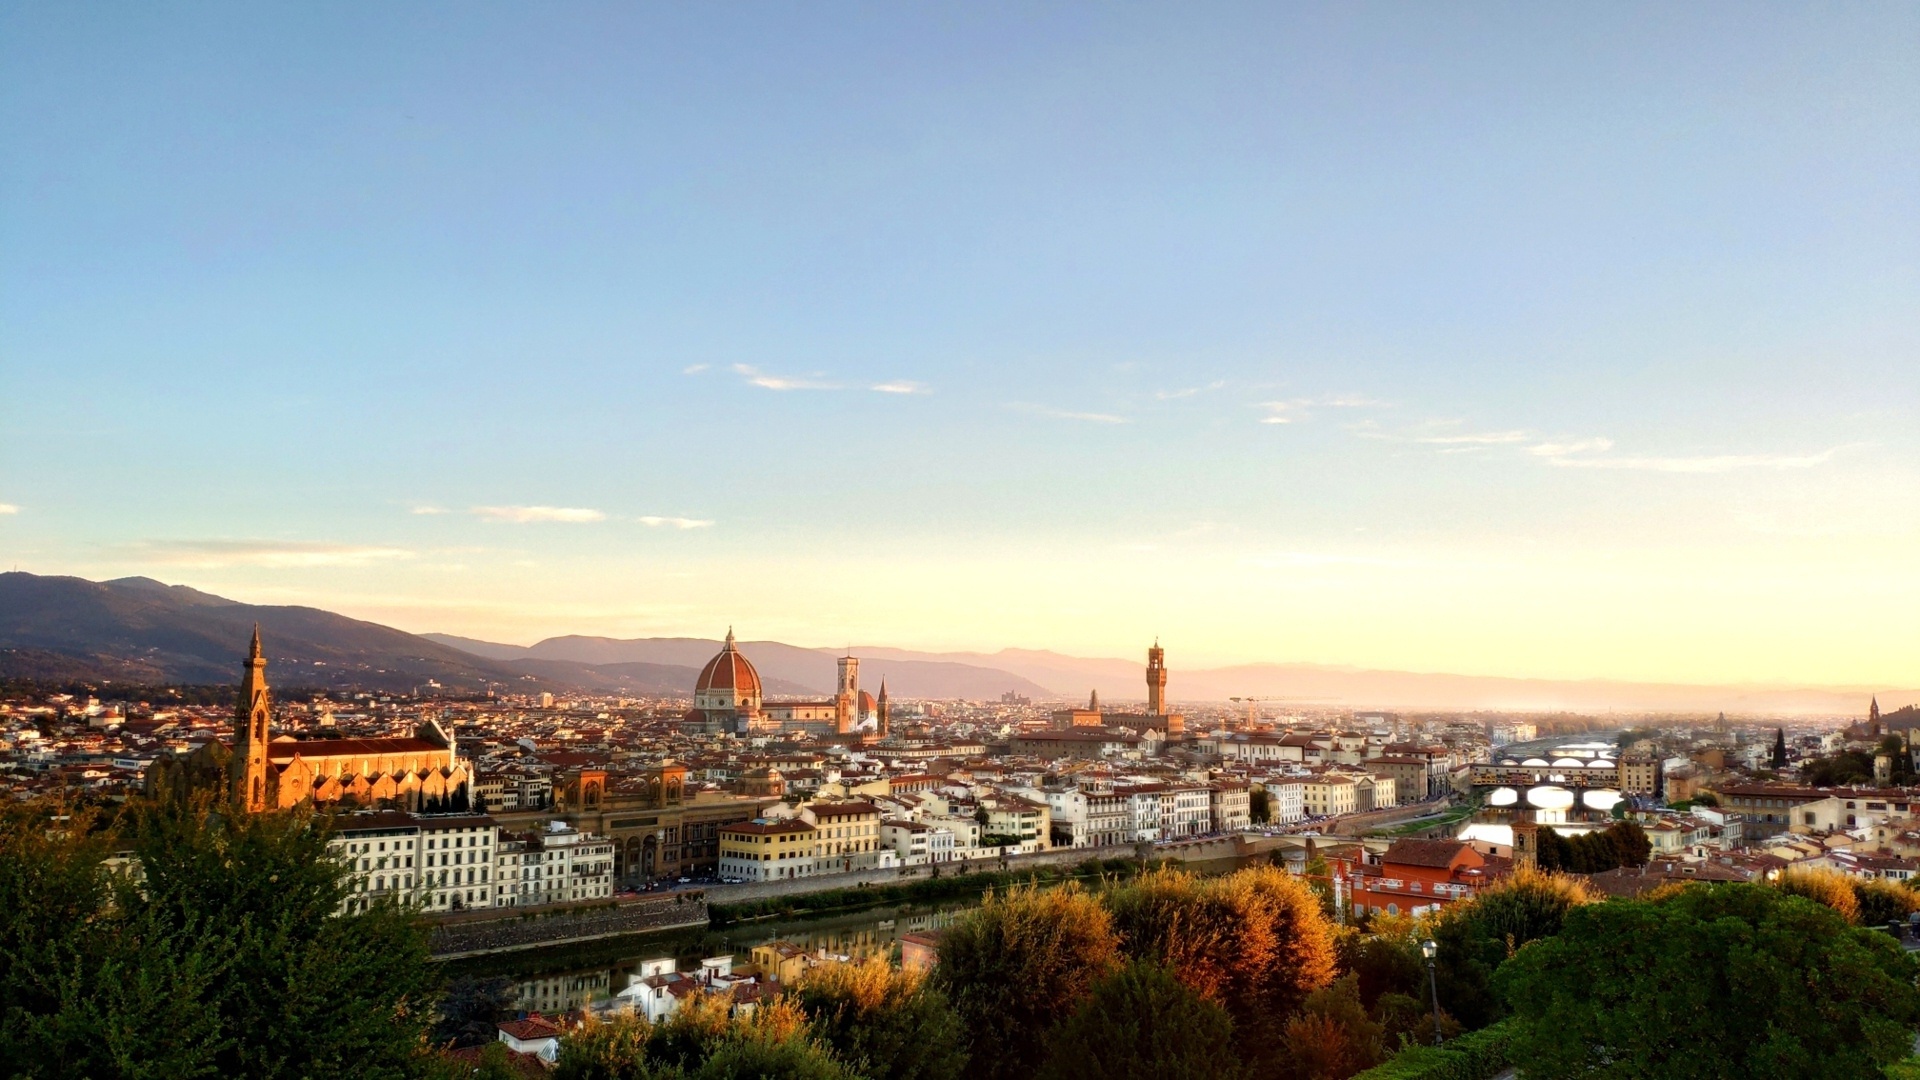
(1526,776)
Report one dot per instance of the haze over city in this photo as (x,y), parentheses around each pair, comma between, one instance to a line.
(1569,344)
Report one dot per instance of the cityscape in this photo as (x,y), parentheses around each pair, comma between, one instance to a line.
(829,543)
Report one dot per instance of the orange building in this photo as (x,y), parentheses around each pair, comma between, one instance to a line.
(1417,877)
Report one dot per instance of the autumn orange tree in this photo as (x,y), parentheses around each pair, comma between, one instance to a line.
(1255,942)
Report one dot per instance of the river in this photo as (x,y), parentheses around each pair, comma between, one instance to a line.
(557,979)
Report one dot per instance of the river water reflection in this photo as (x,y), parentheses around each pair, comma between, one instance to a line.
(875,932)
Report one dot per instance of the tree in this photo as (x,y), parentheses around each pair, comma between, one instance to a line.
(1706,982)
(1838,770)
(224,956)
(1623,843)
(1255,942)
(1477,937)
(613,1049)
(1880,901)
(702,1040)
(470,1009)
(882,1021)
(1828,888)
(1018,963)
(1260,806)
(1141,1023)
(1333,1038)
(1779,758)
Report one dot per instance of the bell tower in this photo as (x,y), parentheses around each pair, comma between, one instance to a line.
(1156,680)
(1873,717)
(882,723)
(251,713)
(1526,844)
(846,703)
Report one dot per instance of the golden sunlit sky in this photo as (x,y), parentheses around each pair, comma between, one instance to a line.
(1491,340)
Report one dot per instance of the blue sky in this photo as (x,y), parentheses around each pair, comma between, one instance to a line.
(1495,339)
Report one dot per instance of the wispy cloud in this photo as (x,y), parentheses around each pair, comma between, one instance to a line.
(428,510)
(901,386)
(8,508)
(1191,391)
(1705,463)
(1564,449)
(693,369)
(277,554)
(768,381)
(1292,409)
(1474,438)
(522,515)
(1066,414)
(652,521)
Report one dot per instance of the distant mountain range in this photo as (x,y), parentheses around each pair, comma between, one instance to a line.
(781,666)
(143,631)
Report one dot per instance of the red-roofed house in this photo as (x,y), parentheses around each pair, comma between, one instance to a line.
(1414,877)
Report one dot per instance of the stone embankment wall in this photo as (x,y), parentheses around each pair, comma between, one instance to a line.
(1358,824)
(507,929)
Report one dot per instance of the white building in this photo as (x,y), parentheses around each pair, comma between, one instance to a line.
(1286,801)
(378,850)
(457,861)
(917,843)
(562,865)
(534,1035)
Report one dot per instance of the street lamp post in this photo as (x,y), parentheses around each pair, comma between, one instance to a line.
(1429,949)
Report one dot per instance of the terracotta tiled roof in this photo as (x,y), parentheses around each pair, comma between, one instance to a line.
(1435,853)
(533,1027)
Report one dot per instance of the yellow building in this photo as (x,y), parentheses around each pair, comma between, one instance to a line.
(846,837)
(1329,794)
(766,850)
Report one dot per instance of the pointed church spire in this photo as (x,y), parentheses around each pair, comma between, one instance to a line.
(253,651)
(1093,701)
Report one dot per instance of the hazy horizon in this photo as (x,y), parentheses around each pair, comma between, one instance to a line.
(1502,341)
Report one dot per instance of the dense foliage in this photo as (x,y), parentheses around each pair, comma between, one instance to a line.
(1621,844)
(216,952)
(1141,1023)
(1018,964)
(702,1040)
(1710,982)
(1476,938)
(1477,1055)
(883,1021)
(1255,942)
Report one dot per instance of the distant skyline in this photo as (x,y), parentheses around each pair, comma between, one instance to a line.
(1572,343)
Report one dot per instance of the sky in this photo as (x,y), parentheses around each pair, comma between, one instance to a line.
(1545,340)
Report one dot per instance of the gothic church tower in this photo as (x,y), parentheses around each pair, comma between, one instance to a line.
(250,732)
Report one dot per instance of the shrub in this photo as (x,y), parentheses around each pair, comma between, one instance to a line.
(1477,1055)
(883,1021)
(1332,1038)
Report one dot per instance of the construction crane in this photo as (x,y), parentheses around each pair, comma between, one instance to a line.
(1253,707)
